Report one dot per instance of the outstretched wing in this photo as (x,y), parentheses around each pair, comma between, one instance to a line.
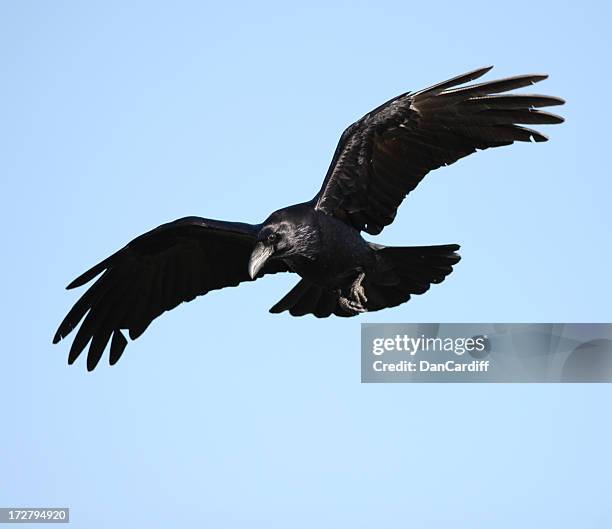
(384,155)
(155,272)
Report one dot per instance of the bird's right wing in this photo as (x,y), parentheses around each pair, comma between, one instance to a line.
(384,155)
(155,272)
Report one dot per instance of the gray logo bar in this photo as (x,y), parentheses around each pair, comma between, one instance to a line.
(486,352)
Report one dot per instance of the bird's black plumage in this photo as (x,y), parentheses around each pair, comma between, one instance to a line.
(378,161)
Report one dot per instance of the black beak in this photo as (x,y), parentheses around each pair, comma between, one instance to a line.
(261,253)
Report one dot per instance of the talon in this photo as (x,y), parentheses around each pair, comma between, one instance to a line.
(358,307)
(350,306)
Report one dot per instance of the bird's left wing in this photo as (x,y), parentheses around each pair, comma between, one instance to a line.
(384,155)
(155,272)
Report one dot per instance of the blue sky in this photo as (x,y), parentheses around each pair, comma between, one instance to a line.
(119,116)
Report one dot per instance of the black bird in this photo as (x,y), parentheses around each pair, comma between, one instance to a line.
(378,161)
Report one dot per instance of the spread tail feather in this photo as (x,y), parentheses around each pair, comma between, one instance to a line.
(404,271)
(400,273)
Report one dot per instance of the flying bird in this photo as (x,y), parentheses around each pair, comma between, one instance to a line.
(379,160)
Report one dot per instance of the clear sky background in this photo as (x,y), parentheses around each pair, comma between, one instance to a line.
(118,116)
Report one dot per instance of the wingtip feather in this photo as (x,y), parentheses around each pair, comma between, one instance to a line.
(82,279)
(118,345)
(454,81)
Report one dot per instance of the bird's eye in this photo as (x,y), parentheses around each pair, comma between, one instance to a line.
(272,238)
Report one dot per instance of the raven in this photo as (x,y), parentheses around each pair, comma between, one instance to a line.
(378,161)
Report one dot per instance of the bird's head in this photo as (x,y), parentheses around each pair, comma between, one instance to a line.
(273,241)
(281,235)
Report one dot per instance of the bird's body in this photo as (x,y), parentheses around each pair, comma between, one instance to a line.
(330,253)
(379,160)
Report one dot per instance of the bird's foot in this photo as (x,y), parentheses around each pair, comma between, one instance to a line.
(355,302)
